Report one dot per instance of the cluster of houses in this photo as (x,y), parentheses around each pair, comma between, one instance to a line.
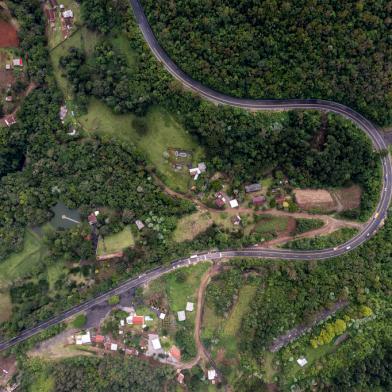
(181,315)
(66,15)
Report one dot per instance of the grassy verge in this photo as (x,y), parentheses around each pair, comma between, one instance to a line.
(334,239)
(305,225)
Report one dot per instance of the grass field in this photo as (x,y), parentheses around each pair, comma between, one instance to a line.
(271,224)
(190,226)
(233,323)
(116,242)
(163,132)
(5,305)
(22,263)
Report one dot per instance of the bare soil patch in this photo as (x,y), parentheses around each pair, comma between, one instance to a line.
(308,199)
(8,35)
(348,198)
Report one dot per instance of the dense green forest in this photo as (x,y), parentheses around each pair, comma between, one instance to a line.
(93,374)
(336,50)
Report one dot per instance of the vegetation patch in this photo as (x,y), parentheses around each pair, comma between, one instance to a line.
(304,225)
(190,226)
(268,224)
(336,238)
(115,242)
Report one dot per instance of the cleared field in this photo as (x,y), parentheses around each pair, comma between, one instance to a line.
(8,35)
(233,324)
(163,132)
(190,226)
(272,224)
(116,242)
(5,305)
(348,198)
(308,199)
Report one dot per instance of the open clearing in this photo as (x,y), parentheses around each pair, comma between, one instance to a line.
(8,35)
(22,263)
(115,242)
(308,199)
(163,132)
(340,199)
(190,226)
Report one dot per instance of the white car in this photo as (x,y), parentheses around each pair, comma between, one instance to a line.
(348,247)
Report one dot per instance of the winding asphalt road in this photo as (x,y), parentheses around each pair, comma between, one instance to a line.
(369,229)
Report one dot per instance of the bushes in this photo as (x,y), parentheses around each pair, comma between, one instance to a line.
(304,225)
(79,321)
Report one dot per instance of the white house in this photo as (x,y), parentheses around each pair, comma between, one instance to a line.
(302,361)
(189,306)
(162,316)
(181,315)
(156,344)
(211,374)
(83,339)
(113,347)
(234,203)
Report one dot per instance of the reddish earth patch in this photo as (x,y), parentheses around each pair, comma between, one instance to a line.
(8,35)
(348,198)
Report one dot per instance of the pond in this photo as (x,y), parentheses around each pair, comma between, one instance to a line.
(64,217)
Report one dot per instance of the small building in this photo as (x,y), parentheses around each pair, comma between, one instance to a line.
(258,200)
(202,167)
(211,374)
(234,203)
(302,361)
(139,224)
(92,219)
(162,316)
(68,14)
(17,62)
(83,339)
(122,323)
(9,98)
(137,320)
(236,220)
(181,154)
(8,66)
(156,344)
(252,188)
(180,378)
(10,120)
(280,199)
(63,112)
(189,306)
(220,203)
(195,173)
(113,347)
(181,315)
(98,339)
(175,352)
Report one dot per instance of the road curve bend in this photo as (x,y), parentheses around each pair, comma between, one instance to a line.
(248,104)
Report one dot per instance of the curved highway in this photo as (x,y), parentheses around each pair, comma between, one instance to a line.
(369,228)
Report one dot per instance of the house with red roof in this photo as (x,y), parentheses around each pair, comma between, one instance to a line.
(98,339)
(258,200)
(175,352)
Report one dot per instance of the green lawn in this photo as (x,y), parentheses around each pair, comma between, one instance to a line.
(22,263)
(271,224)
(163,132)
(116,242)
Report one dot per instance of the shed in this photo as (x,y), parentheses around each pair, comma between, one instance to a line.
(211,374)
(9,98)
(8,66)
(10,120)
(234,203)
(68,14)
(156,344)
(258,200)
(181,315)
(113,347)
(162,316)
(189,306)
(252,188)
(302,361)
(202,167)
(139,224)
(17,62)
